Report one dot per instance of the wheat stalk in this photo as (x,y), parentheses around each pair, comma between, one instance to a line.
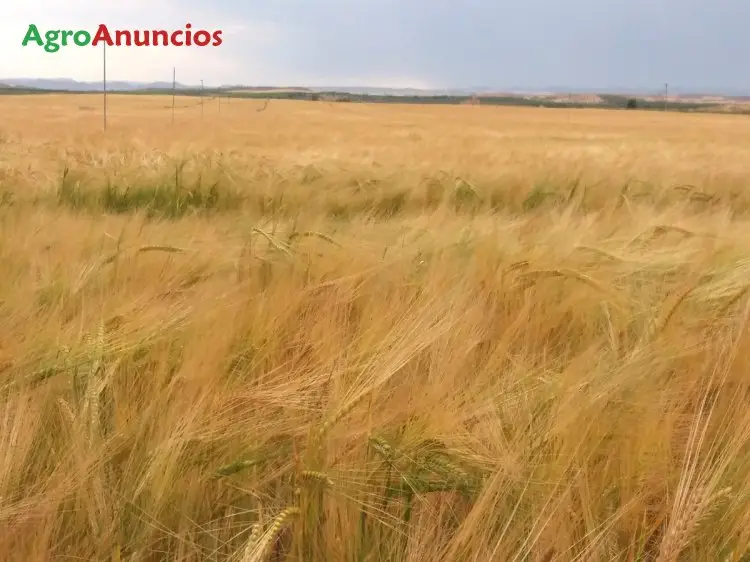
(602,253)
(311,233)
(733,299)
(314,475)
(660,324)
(531,276)
(160,248)
(257,548)
(94,383)
(679,535)
(661,229)
(283,248)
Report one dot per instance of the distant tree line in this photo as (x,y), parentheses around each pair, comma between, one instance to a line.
(608,101)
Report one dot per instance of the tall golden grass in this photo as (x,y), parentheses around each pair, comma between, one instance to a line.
(351,332)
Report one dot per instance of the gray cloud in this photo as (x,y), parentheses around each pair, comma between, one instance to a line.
(534,43)
(640,44)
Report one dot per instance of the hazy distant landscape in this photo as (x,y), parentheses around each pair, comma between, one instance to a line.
(75,85)
(552,97)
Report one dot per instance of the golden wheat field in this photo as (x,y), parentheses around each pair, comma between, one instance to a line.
(331,332)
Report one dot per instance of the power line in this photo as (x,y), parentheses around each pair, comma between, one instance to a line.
(104,80)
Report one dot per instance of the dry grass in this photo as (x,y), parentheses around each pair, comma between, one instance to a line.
(329,332)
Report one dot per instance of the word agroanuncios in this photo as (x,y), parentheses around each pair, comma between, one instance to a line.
(54,39)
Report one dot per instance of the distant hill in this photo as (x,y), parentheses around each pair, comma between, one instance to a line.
(69,85)
(552,97)
(243,88)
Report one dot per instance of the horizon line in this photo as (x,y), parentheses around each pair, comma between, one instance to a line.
(552,89)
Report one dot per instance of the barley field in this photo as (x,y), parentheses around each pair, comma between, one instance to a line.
(331,332)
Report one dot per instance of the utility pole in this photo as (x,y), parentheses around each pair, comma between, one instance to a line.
(174,87)
(104,80)
(666,95)
(201,99)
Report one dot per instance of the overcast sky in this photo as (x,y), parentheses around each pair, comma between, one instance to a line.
(694,44)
